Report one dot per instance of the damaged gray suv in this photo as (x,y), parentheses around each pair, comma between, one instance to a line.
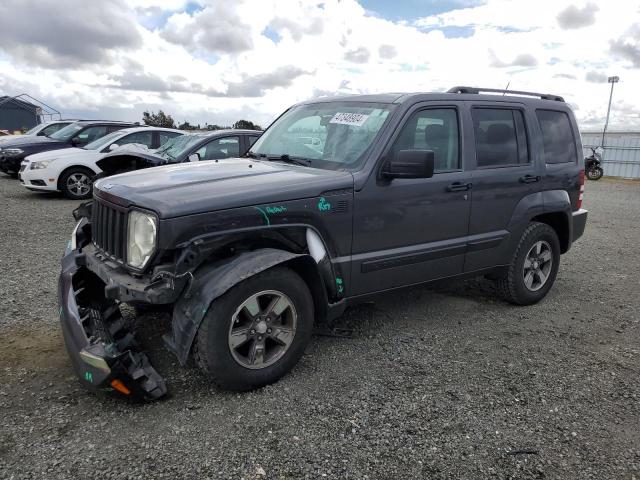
(339,200)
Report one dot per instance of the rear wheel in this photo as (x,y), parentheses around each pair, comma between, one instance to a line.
(594,173)
(77,183)
(534,266)
(257,331)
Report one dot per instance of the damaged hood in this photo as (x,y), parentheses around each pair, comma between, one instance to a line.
(199,187)
(132,156)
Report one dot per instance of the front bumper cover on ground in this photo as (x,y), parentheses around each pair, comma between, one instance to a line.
(99,340)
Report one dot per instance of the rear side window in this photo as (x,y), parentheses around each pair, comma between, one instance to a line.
(501,138)
(557,137)
(432,129)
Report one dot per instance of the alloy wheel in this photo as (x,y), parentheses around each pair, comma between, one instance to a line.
(262,329)
(537,265)
(79,184)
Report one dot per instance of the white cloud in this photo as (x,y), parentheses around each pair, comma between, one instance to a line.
(257,57)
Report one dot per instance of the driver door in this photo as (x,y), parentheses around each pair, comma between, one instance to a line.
(410,231)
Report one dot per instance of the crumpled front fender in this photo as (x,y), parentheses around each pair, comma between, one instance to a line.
(210,282)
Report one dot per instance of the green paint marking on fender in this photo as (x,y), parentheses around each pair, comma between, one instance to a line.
(339,284)
(266,217)
(280,209)
(88,376)
(323,205)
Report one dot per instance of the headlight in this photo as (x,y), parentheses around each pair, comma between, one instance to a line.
(12,152)
(142,238)
(40,165)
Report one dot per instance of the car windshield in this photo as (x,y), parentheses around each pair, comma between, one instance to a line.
(331,135)
(35,129)
(103,141)
(176,146)
(67,132)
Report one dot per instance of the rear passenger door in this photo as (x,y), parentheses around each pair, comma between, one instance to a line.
(506,177)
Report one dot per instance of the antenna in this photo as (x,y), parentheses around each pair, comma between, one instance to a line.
(506,88)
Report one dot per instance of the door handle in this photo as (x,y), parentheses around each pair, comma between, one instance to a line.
(530,179)
(458,187)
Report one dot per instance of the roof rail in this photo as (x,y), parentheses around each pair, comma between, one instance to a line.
(477,90)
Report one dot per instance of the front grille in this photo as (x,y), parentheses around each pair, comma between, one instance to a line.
(109,230)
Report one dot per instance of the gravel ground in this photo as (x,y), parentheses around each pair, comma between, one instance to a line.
(440,382)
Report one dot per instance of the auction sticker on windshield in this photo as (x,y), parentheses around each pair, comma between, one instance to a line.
(355,119)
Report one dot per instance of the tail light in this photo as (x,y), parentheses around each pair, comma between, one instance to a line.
(581,195)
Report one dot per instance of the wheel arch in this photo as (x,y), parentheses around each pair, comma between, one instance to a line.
(214,279)
(559,222)
(71,167)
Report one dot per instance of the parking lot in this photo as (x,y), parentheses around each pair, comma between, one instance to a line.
(439,382)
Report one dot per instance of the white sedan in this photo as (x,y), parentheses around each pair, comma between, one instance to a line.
(72,170)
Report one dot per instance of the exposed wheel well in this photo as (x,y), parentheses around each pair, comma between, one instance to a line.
(308,270)
(72,167)
(559,222)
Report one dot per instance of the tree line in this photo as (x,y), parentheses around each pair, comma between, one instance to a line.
(161,119)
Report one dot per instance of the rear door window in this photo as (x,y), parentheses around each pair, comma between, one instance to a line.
(501,138)
(557,137)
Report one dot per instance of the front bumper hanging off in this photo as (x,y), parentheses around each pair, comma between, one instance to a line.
(99,340)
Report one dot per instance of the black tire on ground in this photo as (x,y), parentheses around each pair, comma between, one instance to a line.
(84,176)
(512,285)
(212,350)
(595,173)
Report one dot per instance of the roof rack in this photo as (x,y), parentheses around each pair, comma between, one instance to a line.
(477,90)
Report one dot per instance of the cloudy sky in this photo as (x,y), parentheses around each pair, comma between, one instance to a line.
(215,61)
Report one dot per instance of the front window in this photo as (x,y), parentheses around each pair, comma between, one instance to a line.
(331,135)
(67,132)
(220,148)
(103,141)
(174,147)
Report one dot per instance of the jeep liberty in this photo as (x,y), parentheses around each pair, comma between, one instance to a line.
(340,199)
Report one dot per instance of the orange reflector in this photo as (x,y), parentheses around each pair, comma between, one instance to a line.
(52,180)
(119,386)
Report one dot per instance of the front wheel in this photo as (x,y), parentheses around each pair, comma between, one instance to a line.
(534,266)
(256,332)
(77,183)
(594,173)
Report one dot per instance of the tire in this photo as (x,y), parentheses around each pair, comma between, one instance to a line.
(232,368)
(521,284)
(83,187)
(595,173)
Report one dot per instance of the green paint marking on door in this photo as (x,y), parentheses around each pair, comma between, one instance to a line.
(273,210)
(323,205)
(339,284)
(266,217)
(88,376)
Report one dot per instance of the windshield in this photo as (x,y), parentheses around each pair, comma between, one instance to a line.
(35,129)
(103,141)
(67,132)
(329,135)
(176,146)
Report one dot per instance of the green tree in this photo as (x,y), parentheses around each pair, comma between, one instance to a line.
(159,119)
(246,125)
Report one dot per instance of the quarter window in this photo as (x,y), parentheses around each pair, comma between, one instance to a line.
(501,138)
(432,129)
(557,137)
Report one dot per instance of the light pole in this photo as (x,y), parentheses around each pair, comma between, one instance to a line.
(612,81)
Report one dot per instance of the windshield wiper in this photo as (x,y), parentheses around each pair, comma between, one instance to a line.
(305,162)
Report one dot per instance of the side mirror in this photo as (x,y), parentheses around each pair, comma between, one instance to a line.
(194,157)
(410,164)
(76,141)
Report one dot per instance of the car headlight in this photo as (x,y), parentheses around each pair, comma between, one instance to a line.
(40,165)
(12,152)
(141,241)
